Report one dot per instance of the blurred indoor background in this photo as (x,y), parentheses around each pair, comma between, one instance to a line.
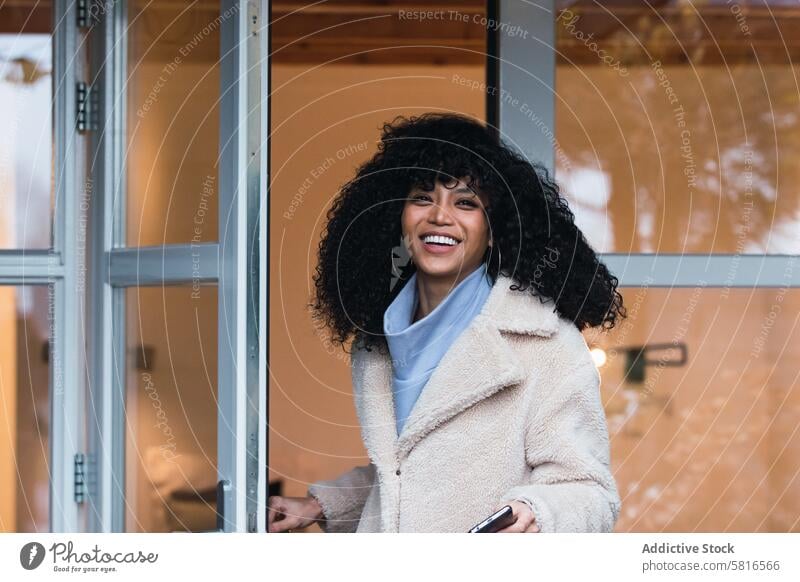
(700,383)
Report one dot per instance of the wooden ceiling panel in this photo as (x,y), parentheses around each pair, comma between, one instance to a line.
(26,16)
(379,33)
(632,31)
(454,31)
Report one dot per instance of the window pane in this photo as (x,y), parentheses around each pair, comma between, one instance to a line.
(711,444)
(171,410)
(173,121)
(26,138)
(337,76)
(24,409)
(677,125)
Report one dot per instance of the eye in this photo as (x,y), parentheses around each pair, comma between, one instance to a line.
(421,199)
(467,203)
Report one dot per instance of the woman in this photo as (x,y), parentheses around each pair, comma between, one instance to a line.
(472,382)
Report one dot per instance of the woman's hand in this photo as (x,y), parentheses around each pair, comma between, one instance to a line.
(288,513)
(525,520)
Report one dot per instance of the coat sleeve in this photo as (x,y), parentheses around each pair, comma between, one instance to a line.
(570,487)
(342,499)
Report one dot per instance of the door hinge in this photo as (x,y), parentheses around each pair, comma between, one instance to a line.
(80,478)
(87,12)
(86,100)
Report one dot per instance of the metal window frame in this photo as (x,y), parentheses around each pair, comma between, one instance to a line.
(34,266)
(112,268)
(524,69)
(106,319)
(521,71)
(67,435)
(166,265)
(718,270)
(243,178)
(58,267)
(234,264)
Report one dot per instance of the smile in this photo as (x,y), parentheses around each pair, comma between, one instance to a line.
(439,240)
(438,244)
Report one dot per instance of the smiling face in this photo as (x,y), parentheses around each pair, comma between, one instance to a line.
(446,230)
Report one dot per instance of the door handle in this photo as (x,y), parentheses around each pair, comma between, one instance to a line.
(223,491)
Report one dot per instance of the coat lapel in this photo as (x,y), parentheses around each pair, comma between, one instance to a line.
(372,392)
(478,364)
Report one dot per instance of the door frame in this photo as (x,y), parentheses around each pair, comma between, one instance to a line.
(235,264)
(58,268)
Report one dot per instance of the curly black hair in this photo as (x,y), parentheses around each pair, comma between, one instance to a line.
(535,239)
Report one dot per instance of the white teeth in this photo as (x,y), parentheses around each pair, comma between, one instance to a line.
(442,240)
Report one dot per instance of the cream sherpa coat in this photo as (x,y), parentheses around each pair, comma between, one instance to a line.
(512,412)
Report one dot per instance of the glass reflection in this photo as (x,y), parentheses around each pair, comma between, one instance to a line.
(173,97)
(677,125)
(171,409)
(24,409)
(26,139)
(710,443)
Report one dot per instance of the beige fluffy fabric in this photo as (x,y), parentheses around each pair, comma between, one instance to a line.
(512,412)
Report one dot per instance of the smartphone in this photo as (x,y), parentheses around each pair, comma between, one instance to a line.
(498,520)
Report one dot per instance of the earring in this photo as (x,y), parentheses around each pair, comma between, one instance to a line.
(488,261)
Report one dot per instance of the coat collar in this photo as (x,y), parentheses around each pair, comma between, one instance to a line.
(479,364)
(518,311)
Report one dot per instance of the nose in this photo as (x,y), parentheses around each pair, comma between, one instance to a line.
(439,214)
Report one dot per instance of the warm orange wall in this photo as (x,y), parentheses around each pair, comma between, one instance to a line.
(8,408)
(8,354)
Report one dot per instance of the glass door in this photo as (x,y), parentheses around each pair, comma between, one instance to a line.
(178,367)
(676,153)
(44,471)
(26,153)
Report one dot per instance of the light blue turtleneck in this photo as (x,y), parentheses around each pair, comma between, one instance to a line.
(416,348)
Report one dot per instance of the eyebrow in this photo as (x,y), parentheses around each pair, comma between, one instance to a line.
(459,190)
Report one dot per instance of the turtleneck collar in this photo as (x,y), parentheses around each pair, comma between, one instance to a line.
(417,347)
